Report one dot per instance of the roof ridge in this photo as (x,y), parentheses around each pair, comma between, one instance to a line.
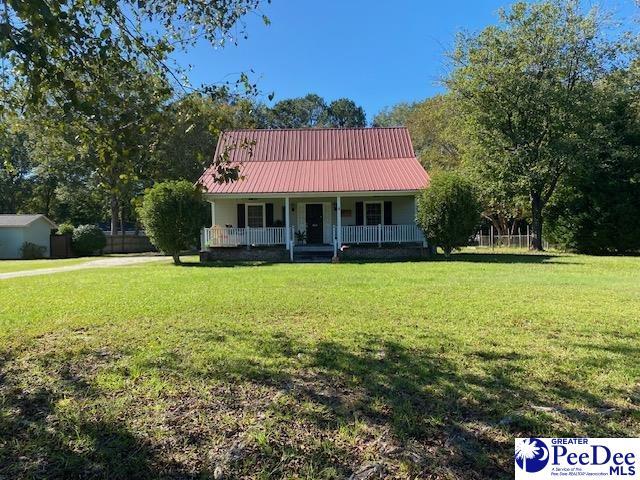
(311,129)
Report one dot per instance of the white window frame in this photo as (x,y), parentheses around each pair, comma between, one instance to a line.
(364,213)
(264,213)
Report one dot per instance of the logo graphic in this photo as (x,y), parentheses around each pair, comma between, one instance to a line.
(532,455)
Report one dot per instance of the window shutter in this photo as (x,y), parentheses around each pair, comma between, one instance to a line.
(269,214)
(241,220)
(388,218)
(359,213)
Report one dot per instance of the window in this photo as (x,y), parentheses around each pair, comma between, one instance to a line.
(255,216)
(373,213)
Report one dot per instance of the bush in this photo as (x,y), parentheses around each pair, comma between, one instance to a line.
(173,214)
(88,239)
(65,229)
(448,211)
(31,251)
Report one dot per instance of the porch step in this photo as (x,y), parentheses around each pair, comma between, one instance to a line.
(313,253)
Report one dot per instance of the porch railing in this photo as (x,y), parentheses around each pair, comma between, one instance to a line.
(350,234)
(381,234)
(233,236)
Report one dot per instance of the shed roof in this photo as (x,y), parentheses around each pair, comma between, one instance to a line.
(319,160)
(19,220)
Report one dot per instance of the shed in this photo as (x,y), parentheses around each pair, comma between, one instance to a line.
(15,230)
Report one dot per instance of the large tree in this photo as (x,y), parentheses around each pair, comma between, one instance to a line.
(434,128)
(595,210)
(307,111)
(526,88)
(344,113)
(312,111)
(53,47)
(189,132)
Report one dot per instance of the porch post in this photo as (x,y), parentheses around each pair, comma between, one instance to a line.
(287,232)
(213,213)
(339,221)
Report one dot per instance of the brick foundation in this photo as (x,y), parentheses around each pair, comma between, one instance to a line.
(395,252)
(255,254)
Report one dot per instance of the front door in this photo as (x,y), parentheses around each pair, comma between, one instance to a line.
(314,223)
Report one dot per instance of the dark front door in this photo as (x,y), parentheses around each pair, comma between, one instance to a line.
(314,223)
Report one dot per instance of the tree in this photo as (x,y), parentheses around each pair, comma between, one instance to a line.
(448,211)
(118,132)
(526,88)
(189,131)
(311,111)
(344,113)
(595,210)
(173,213)
(433,125)
(395,116)
(53,46)
(15,167)
(308,111)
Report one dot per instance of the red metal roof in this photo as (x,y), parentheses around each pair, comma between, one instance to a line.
(320,160)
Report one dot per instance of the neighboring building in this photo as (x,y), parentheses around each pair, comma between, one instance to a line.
(316,187)
(15,230)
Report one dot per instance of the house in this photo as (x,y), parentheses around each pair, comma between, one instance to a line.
(16,230)
(321,190)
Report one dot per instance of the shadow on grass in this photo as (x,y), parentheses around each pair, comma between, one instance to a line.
(411,410)
(39,442)
(500,258)
(227,264)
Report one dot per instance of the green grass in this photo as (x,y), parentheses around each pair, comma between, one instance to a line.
(413,370)
(7,266)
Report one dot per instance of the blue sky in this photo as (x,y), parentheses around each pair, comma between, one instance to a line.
(376,53)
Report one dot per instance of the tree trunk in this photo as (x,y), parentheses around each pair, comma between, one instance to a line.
(176,259)
(115,213)
(536,222)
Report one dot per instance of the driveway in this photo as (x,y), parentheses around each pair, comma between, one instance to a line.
(99,263)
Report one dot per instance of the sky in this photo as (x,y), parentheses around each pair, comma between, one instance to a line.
(376,53)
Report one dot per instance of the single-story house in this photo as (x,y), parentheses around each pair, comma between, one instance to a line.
(320,189)
(15,230)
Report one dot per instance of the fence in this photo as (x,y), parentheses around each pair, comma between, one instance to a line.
(492,239)
(128,243)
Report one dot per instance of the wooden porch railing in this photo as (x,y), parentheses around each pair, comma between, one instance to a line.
(381,234)
(233,236)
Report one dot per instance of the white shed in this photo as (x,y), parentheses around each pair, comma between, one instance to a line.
(15,230)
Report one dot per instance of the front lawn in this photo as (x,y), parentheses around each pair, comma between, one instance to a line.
(400,370)
(7,266)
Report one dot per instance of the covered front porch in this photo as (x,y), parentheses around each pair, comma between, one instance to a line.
(295,220)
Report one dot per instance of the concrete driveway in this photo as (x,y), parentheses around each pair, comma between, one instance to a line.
(99,263)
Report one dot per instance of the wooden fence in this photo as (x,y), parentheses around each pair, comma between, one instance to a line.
(128,243)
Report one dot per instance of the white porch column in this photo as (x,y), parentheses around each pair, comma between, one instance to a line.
(339,221)
(287,232)
(213,213)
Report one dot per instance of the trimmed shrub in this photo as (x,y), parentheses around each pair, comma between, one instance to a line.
(31,251)
(173,214)
(448,211)
(87,240)
(65,229)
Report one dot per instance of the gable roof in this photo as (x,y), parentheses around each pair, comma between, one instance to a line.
(18,220)
(319,160)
